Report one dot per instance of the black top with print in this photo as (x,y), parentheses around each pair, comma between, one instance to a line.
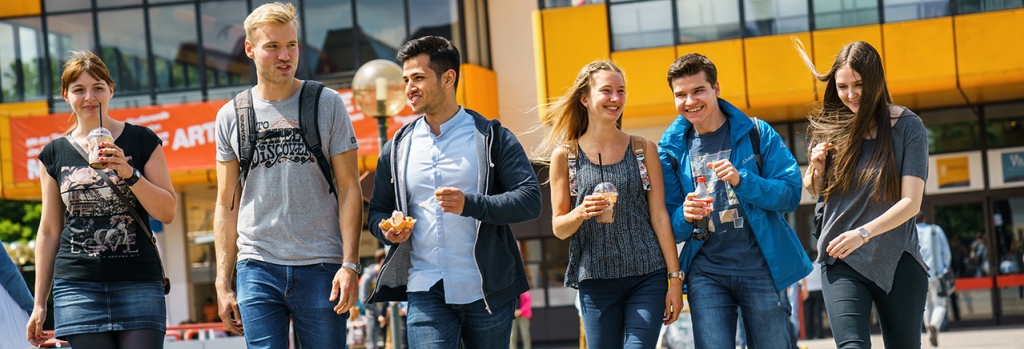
(101,241)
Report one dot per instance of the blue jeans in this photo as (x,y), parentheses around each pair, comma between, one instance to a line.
(714,300)
(848,300)
(624,312)
(269,295)
(434,324)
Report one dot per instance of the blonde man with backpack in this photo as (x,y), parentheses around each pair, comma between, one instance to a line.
(289,205)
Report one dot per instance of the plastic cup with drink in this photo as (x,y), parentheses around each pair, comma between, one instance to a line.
(96,137)
(609,192)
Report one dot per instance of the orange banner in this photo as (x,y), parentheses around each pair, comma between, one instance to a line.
(188,132)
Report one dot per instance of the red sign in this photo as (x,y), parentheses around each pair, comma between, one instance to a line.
(188,132)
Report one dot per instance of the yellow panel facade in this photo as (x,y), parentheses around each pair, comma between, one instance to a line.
(573,37)
(17,8)
(921,70)
(826,44)
(478,90)
(776,75)
(728,58)
(647,90)
(989,49)
(24,108)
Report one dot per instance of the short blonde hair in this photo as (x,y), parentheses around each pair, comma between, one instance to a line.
(272,13)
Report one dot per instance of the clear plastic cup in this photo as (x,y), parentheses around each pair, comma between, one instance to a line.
(611,194)
(96,137)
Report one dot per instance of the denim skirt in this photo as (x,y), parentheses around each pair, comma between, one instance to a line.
(92,307)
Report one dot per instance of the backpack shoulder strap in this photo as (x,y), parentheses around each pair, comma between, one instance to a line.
(755,142)
(309,127)
(571,150)
(246,131)
(639,146)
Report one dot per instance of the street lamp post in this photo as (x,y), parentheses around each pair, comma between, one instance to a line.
(377,90)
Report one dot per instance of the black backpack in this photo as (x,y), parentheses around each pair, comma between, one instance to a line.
(309,127)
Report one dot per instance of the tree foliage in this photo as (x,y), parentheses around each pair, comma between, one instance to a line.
(19,220)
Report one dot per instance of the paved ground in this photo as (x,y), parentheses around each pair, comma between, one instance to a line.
(1003,337)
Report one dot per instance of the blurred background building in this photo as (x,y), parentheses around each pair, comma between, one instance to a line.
(957,63)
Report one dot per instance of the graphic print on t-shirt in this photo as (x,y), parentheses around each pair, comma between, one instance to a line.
(280,142)
(97,219)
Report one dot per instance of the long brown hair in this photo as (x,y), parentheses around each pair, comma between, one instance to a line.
(566,118)
(846,130)
(82,62)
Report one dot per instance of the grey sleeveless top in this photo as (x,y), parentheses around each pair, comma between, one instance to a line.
(626,247)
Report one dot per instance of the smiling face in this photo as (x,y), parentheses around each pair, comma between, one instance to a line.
(85,95)
(607,96)
(697,101)
(849,86)
(274,48)
(425,90)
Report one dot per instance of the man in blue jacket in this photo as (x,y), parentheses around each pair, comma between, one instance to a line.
(459,266)
(751,254)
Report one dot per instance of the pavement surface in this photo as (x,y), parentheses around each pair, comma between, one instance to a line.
(1003,337)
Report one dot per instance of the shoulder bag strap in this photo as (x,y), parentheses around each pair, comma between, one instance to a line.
(124,200)
(639,145)
(571,151)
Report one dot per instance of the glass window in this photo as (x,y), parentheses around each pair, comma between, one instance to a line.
(567,3)
(224,43)
(1005,125)
(175,52)
(117,3)
(8,64)
(770,17)
(329,46)
(708,20)
(433,17)
(67,33)
(31,57)
(906,10)
(123,47)
(844,13)
(641,24)
(951,130)
(66,5)
(975,6)
(800,142)
(383,31)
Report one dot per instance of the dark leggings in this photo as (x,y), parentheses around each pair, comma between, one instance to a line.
(145,338)
(848,300)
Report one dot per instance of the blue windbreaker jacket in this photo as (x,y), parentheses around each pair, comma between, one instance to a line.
(764,196)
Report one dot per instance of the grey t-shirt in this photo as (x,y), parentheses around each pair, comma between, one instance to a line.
(287,216)
(877,259)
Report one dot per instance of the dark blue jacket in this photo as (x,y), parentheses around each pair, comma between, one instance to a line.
(12,281)
(511,194)
(764,195)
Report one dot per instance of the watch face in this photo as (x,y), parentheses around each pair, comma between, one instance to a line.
(863,233)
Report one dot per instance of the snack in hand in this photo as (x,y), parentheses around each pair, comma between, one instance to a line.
(398,221)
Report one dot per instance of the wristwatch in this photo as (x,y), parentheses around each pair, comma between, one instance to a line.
(355,267)
(865,235)
(134,178)
(676,275)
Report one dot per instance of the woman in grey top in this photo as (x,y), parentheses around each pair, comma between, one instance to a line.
(877,162)
(620,268)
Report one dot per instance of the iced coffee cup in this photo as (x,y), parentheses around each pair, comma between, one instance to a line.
(607,190)
(96,137)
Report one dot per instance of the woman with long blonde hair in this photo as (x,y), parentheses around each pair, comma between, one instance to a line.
(620,267)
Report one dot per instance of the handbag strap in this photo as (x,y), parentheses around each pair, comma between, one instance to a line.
(120,195)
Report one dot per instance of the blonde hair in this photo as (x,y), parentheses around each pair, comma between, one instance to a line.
(82,62)
(566,118)
(273,13)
